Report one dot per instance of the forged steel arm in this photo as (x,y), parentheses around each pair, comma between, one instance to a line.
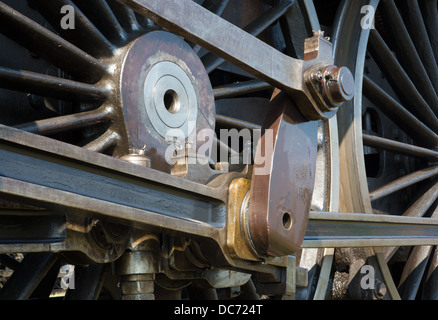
(317,99)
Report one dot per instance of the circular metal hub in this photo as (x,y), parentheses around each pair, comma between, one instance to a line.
(166,95)
(170,99)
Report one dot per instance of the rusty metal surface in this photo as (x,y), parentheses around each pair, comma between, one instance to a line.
(238,239)
(282,180)
(146,52)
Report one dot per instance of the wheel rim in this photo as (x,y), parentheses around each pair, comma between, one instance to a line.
(370,185)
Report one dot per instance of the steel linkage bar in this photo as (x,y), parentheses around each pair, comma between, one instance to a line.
(254,56)
(329,229)
(57,175)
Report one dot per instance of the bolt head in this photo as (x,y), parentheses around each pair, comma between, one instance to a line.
(339,84)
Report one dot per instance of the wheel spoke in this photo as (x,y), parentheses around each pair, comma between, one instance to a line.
(417,209)
(68,122)
(430,14)
(240,88)
(421,41)
(400,81)
(312,15)
(45,287)
(103,17)
(215,6)
(249,291)
(49,86)
(398,147)
(413,272)
(431,282)
(407,53)
(125,16)
(414,269)
(324,274)
(403,182)
(104,142)
(225,147)
(28,276)
(397,113)
(47,44)
(424,203)
(94,42)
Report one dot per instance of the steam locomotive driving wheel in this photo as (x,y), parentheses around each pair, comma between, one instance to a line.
(178,149)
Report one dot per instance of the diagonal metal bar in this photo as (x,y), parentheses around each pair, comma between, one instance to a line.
(223,39)
(238,47)
(104,18)
(211,62)
(236,123)
(398,114)
(125,16)
(403,182)
(407,53)
(28,276)
(49,45)
(400,80)
(414,269)
(94,43)
(420,38)
(413,272)
(430,14)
